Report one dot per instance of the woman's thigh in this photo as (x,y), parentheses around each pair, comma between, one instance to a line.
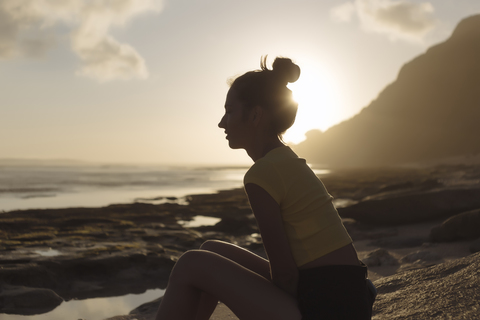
(240,255)
(248,294)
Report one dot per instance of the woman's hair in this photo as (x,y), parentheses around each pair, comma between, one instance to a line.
(268,89)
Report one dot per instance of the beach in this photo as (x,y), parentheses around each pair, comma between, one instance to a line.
(129,248)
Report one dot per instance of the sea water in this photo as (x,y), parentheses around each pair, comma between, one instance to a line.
(40,187)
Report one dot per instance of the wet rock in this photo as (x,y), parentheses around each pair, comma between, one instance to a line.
(179,239)
(380,257)
(398,242)
(29,301)
(100,273)
(445,291)
(148,309)
(465,225)
(413,207)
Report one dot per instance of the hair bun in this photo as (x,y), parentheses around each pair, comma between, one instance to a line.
(286,70)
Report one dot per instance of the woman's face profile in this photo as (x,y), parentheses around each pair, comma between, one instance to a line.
(234,122)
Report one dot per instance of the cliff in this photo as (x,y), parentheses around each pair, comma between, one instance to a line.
(431,111)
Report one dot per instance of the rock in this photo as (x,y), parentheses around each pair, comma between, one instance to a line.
(241,224)
(398,242)
(177,239)
(380,257)
(465,225)
(27,301)
(101,273)
(475,246)
(420,256)
(446,291)
(412,208)
(358,231)
(148,309)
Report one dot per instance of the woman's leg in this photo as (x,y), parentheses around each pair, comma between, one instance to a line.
(248,294)
(240,255)
(237,254)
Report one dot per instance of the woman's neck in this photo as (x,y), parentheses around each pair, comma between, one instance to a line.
(261,148)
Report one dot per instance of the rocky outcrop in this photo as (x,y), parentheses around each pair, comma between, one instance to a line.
(412,207)
(450,290)
(30,300)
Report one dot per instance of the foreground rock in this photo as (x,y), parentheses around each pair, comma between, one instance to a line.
(449,290)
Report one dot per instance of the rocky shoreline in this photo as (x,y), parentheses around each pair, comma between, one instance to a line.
(401,219)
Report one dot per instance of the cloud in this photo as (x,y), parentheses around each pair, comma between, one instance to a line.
(343,12)
(27,29)
(396,19)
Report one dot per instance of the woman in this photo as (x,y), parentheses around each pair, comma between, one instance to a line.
(312,271)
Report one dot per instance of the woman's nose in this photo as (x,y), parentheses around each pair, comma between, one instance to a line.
(221,123)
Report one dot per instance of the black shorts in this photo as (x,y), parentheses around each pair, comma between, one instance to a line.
(334,292)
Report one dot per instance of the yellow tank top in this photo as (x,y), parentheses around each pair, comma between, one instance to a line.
(311,222)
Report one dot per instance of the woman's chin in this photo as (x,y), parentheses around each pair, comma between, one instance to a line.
(233,145)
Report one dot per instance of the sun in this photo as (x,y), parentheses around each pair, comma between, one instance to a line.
(316,94)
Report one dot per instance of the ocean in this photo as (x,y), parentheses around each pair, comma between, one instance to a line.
(63,186)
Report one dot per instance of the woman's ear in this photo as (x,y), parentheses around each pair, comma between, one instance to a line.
(257,115)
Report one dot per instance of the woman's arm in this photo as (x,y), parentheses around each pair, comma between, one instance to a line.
(283,268)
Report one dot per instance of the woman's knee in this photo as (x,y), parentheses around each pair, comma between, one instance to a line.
(212,245)
(192,265)
(185,263)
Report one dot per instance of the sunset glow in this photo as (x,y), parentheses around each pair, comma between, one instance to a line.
(317,95)
(145,81)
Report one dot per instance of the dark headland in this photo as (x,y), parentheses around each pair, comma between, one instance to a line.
(429,113)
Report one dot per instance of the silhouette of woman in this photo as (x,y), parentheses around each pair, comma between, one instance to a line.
(312,271)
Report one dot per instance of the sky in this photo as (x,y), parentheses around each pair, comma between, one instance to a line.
(144,81)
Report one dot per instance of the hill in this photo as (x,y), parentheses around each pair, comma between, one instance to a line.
(431,111)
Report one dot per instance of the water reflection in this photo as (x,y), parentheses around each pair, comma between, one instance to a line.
(48,252)
(199,221)
(93,309)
